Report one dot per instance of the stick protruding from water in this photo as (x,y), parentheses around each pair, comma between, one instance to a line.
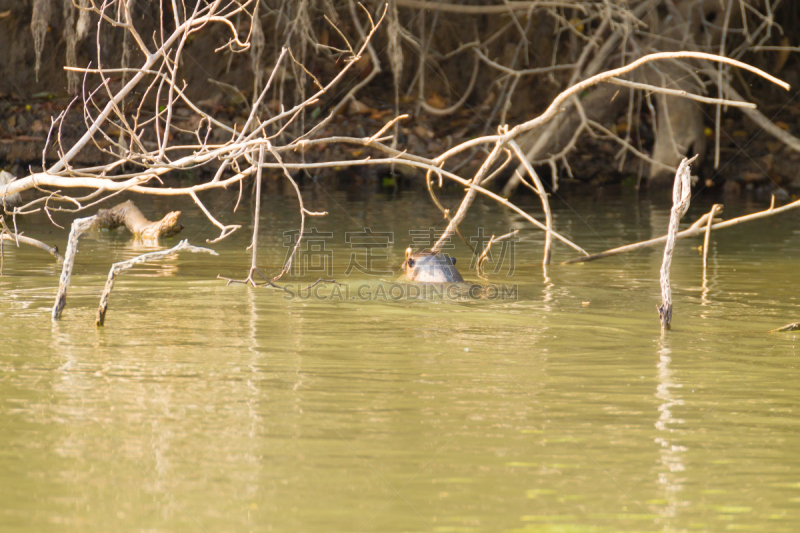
(681,193)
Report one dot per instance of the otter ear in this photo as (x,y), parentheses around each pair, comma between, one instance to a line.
(453,260)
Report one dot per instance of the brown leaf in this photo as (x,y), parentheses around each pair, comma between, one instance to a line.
(461,133)
(377,114)
(436,101)
(191,123)
(212,102)
(364,66)
(359,108)
(488,102)
(423,132)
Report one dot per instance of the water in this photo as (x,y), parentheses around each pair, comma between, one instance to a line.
(206,407)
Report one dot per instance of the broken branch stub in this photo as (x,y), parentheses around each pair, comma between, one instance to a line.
(681,193)
(79,226)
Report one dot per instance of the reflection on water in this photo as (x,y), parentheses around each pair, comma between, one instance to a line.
(672,454)
(206,407)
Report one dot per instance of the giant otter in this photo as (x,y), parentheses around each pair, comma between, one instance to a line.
(428,267)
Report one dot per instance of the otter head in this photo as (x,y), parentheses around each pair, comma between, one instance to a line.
(428,267)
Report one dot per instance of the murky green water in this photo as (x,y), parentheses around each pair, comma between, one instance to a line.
(201,407)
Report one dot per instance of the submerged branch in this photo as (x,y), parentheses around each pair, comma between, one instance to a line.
(52,250)
(694,230)
(116,268)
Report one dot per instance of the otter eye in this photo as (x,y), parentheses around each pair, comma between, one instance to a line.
(411,263)
(453,260)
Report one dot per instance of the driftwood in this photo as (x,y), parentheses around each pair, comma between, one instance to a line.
(470,196)
(128,215)
(116,268)
(681,193)
(243,144)
(794,326)
(559,137)
(125,214)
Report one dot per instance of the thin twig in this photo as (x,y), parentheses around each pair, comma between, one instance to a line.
(714,210)
(52,250)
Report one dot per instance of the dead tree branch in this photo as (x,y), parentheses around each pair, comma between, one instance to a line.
(52,250)
(116,268)
(681,193)
(694,230)
(79,226)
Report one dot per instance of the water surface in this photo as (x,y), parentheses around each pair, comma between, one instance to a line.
(206,407)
